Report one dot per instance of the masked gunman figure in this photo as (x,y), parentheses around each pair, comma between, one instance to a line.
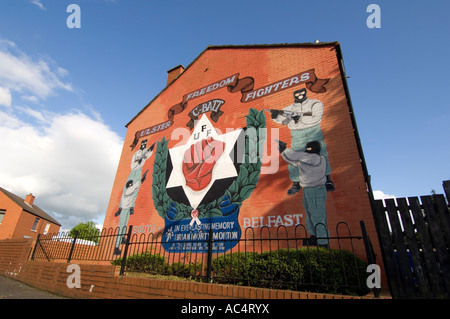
(130,191)
(311,167)
(305,128)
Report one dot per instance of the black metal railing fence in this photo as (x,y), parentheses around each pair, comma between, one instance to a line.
(283,258)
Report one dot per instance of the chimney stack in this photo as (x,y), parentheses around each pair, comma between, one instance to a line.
(174,73)
(29,199)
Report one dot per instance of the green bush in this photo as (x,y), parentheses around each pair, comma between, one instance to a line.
(318,270)
(156,264)
(314,269)
(186,269)
(144,262)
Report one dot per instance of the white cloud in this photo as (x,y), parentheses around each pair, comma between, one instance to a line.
(381,195)
(31,78)
(68,161)
(5,97)
(38,3)
(29,98)
(33,113)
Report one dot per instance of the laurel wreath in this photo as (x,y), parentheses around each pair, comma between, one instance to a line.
(239,190)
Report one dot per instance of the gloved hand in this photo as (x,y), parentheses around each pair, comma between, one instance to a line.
(274,113)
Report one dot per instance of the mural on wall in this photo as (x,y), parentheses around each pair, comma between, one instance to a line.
(303,118)
(309,167)
(131,189)
(199,187)
(200,183)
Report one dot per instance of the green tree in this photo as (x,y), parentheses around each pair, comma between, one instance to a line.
(86,231)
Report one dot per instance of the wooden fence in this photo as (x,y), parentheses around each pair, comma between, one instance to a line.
(415,239)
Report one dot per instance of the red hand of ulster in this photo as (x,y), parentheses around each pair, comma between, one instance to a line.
(199,161)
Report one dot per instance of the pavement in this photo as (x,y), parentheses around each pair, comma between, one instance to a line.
(14,289)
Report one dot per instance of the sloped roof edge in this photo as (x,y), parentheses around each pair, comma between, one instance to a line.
(238,46)
(273,45)
(33,209)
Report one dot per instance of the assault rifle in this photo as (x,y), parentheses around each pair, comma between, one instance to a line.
(290,115)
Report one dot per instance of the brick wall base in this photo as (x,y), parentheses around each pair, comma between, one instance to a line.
(103,281)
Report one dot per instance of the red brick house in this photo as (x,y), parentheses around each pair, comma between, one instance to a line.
(20,218)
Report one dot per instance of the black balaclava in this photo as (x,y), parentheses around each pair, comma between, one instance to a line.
(143,144)
(313,147)
(302,96)
(129,184)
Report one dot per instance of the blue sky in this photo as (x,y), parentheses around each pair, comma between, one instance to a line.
(66,94)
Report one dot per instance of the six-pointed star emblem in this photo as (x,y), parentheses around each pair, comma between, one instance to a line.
(223,167)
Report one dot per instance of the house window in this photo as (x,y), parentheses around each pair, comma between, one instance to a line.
(2,214)
(36,221)
(46,228)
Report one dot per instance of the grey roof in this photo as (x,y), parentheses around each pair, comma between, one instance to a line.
(32,209)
